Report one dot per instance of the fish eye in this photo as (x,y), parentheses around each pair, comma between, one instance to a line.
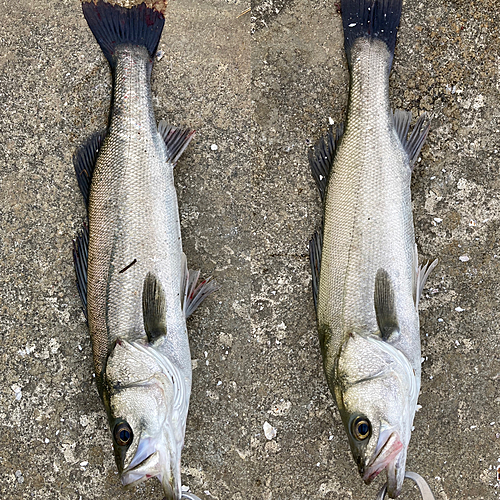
(361,428)
(123,434)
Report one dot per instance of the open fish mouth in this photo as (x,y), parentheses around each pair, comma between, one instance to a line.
(148,463)
(385,459)
(139,471)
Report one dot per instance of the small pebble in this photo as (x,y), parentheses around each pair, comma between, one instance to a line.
(269,431)
(214,147)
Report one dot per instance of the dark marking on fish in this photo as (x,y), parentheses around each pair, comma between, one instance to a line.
(127,267)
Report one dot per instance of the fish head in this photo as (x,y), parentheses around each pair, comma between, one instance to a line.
(376,390)
(147,402)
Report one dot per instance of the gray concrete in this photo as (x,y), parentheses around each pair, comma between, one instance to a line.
(248,209)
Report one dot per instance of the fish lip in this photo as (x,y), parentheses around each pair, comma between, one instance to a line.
(385,458)
(150,467)
(150,463)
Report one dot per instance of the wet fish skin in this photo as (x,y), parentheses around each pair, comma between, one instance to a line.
(137,287)
(368,282)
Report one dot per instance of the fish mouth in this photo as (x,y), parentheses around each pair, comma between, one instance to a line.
(142,469)
(384,459)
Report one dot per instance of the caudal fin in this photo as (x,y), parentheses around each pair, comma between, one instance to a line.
(113,25)
(374,19)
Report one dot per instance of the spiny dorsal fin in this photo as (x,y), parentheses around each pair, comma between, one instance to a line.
(80,260)
(176,140)
(154,308)
(315,245)
(84,161)
(321,157)
(385,306)
(413,144)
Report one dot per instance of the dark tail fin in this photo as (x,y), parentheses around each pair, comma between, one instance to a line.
(113,25)
(375,19)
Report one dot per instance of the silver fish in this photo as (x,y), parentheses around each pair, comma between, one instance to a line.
(132,273)
(366,278)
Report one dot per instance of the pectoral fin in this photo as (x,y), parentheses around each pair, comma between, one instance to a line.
(154,308)
(385,306)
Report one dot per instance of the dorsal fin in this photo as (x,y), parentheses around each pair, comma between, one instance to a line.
(80,260)
(385,306)
(154,308)
(315,244)
(321,158)
(84,162)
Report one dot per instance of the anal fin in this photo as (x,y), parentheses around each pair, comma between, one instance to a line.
(176,140)
(385,306)
(413,144)
(154,308)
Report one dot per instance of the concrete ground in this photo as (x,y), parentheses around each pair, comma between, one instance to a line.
(260,90)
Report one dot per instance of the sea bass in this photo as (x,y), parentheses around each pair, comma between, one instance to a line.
(366,278)
(131,272)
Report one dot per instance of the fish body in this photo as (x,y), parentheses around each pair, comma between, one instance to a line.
(137,290)
(367,281)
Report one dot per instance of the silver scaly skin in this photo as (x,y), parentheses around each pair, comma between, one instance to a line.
(133,216)
(136,287)
(369,280)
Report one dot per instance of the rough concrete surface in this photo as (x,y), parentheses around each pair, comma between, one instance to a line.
(248,208)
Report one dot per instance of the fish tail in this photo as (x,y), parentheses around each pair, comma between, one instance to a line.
(113,25)
(373,19)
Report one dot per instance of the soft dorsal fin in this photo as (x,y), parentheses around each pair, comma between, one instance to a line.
(154,308)
(84,162)
(321,158)
(385,306)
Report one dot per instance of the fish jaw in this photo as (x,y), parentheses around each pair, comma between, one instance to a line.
(391,457)
(151,393)
(159,463)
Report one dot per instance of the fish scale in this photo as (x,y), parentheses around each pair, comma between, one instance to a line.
(131,272)
(142,203)
(366,277)
(368,220)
